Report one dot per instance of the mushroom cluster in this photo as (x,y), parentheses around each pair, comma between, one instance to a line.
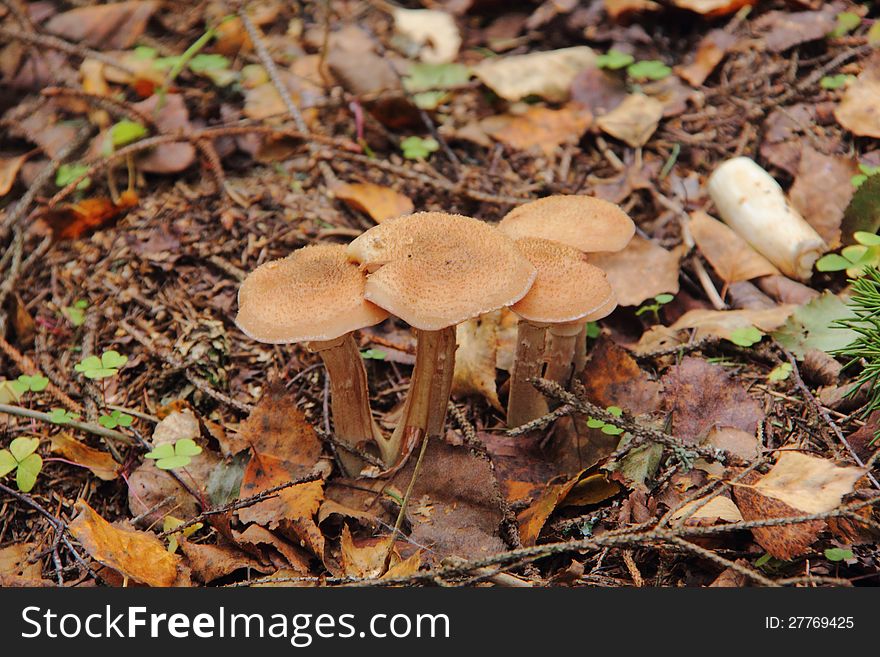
(433,271)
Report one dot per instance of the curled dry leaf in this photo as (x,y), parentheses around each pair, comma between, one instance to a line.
(732,258)
(634,120)
(532,520)
(293,556)
(702,395)
(9,167)
(210,562)
(100,463)
(710,52)
(70,221)
(366,558)
(475,358)
(540,127)
(639,272)
(822,191)
(548,74)
(435,31)
(135,555)
(857,111)
(112,26)
(718,508)
(378,201)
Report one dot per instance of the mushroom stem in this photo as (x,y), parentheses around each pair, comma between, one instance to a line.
(525,403)
(560,353)
(424,412)
(580,352)
(349,398)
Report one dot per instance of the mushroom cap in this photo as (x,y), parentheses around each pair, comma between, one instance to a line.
(568,289)
(435,270)
(583,222)
(316,293)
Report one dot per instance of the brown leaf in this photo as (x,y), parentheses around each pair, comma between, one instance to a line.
(366,557)
(712,8)
(379,202)
(539,127)
(613,378)
(210,562)
(548,73)
(293,509)
(115,25)
(862,440)
(643,269)
(457,488)
(710,52)
(732,258)
(598,90)
(781,541)
(475,358)
(708,513)
(723,323)
(786,29)
(822,191)
(702,395)
(730,578)
(277,428)
(294,556)
(532,520)
(72,221)
(173,117)
(9,167)
(100,463)
(14,562)
(623,9)
(134,554)
(634,120)
(857,111)
(742,443)
(808,483)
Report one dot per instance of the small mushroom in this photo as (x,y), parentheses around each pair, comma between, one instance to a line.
(568,292)
(316,295)
(434,270)
(587,224)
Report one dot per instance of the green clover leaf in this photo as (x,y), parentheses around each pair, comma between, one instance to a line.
(7,462)
(373,354)
(28,469)
(76,314)
(21,448)
(34,383)
(416,148)
(116,419)
(169,456)
(838,554)
(650,69)
(780,373)
(62,416)
(10,391)
(67,173)
(745,336)
(22,458)
(614,60)
(101,368)
(125,132)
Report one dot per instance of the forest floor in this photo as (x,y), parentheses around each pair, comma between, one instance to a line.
(151,157)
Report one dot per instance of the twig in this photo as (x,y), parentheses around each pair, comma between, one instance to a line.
(56,43)
(96,429)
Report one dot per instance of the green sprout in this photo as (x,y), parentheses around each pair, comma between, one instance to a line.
(866,171)
(649,69)
(835,81)
(67,173)
(838,554)
(373,354)
(416,148)
(125,132)
(107,365)
(659,300)
(169,456)
(23,459)
(609,429)
(76,314)
(780,373)
(115,419)
(847,21)
(745,336)
(614,60)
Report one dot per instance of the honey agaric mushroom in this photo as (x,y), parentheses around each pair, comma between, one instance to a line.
(568,292)
(587,224)
(434,270)
(316,295)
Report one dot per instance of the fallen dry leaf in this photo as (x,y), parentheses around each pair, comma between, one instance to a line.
(539,127)
(71,221)
(808,483)
(476,341)
(723,323)
(112,26)
(210,562)
(718,508)
(465,514)
(100,463)
(366,557)
(378,201)
(613,378)
(435,31)
(532,519)
(858,110)
(9,167)
(172,118)
(736,441)
(548,74)
(732,258)
(598,90)
(177,425)
(822,191)
(634,120)
(135,555)
(712,8)
(14,562)
(643,269)
(702,395)
(786,29)
(277,428)
(710,52)
(623,9)
(293,556)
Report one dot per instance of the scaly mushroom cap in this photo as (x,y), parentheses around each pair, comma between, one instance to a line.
(583,222)
(435,270)
(316,293)
(567,289)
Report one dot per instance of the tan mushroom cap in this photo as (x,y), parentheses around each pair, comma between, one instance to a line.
(583,222)
(567,289)
(435,270)
(316,293)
